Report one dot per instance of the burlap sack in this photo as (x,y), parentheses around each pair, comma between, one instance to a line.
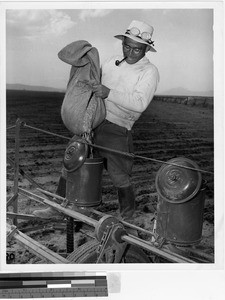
(81,110)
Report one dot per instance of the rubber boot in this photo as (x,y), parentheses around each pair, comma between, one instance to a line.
(127,207)
(50,212)
(126,202)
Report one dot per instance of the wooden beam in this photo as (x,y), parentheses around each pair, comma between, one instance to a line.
(20,216)
(35,247)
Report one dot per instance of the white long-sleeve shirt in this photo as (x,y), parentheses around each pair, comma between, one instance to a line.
(132,87)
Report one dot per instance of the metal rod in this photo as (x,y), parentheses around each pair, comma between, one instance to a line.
(126,224)
(10,127)
(47,132)
(16,167)
(200,253)
(51,194)
(132,155)
(166,254)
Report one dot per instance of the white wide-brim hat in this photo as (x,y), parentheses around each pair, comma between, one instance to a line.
(140,32)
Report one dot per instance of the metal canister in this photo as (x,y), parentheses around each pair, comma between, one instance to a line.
(84,185)
(84,175)
(181,199)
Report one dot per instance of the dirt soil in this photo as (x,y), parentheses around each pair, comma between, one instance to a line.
(166,130)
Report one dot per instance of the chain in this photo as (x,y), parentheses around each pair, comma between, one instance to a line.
(104,240)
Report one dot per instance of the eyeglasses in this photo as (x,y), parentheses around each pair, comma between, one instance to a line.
(145,36)
(128,48)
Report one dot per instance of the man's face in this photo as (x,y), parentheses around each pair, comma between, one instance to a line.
(133,50)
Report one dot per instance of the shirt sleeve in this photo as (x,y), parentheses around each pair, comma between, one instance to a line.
(141,96)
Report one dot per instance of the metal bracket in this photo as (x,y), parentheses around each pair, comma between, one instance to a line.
(159,242)
(64,203)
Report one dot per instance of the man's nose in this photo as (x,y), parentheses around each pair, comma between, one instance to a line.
(130,52)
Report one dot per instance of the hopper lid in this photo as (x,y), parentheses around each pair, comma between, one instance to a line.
(75,154)
(177,183)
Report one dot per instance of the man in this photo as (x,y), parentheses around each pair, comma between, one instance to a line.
(127,86)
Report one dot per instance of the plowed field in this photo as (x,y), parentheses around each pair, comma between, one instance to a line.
(166,130)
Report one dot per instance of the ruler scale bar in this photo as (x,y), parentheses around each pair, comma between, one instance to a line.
(52,285)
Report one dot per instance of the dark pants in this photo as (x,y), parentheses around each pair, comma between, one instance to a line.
(119,166)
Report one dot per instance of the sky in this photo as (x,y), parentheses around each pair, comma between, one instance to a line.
(183,40)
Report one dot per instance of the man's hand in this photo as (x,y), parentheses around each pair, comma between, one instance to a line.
(100,90)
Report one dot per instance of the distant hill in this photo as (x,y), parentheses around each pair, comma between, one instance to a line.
(184,92)
(25,87)
(172,92)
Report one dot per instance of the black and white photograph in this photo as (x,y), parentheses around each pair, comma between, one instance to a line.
(112,154)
